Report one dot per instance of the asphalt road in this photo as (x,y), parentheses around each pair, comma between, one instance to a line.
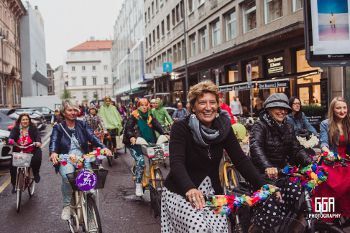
(120,209)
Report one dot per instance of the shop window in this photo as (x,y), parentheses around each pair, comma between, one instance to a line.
(273,10)
(215,33)
(297,4)
(255,69)
(249,15)
(230,25)
(308,85)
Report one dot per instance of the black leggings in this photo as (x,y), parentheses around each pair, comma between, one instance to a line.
(113,133)
(34,164)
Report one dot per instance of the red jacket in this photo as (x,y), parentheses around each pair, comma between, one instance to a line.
(227,108)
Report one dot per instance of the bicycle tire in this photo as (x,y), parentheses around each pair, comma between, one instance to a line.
(93,216)
(109,158)
(19,186)
(156,192)
(232,179)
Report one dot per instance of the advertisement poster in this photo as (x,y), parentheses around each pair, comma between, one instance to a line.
(330,23)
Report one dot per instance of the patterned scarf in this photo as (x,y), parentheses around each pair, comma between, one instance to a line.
(205,136)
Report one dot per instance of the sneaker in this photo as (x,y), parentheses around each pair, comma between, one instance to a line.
(139,190)
(66,213)
(13,191)
(36,178)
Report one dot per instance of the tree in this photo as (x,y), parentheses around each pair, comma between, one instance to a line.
(66,94)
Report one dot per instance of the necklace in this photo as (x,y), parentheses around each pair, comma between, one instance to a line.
(23,140)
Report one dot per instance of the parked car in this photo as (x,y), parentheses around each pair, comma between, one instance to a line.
(5,150)
(170,110)
(36,117)
(6,123)
(46,112)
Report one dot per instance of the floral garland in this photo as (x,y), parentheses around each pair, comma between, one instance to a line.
(78,162)
(226,204)
(333,157)
(309,177)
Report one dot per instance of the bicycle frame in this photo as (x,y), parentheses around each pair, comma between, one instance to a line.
(27,177)
(149,175)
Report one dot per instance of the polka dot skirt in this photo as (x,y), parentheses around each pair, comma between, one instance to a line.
(177,214)
(272,213)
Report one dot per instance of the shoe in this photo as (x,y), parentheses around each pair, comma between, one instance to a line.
(139,191)
(66,213)
(13,191)
(36,178)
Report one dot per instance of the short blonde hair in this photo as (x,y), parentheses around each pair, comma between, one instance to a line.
(200,89)
(66,104)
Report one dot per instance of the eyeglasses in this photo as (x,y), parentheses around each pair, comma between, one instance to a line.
(296,103)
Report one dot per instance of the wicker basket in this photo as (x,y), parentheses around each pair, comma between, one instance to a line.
(21,159)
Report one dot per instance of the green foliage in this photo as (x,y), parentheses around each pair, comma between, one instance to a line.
(66,94)
(314,110)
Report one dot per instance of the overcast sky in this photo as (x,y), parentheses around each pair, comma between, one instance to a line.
(71,22)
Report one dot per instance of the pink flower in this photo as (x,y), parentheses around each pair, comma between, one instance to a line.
(11,141)
(63,163)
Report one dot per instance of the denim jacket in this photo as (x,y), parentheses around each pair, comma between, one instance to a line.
(60,141)
(301,123)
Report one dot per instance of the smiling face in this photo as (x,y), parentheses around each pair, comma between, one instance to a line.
(278,114)
(296,105)
(108,101)
(143,105)
(340,110)
(70,113)
(206,108)
(25,121)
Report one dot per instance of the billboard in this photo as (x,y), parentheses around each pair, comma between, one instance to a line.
(327,27)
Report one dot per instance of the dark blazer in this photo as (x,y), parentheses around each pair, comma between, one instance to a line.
(60,142)
(33,134)
(273,147)
(131,129)
(190,163)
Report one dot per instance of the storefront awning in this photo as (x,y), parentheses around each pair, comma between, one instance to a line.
(263,84)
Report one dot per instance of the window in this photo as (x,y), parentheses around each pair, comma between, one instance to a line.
(106,80)
(231,25)
(190,5)
(83,81)
(157,5)
(168,22)
(215,33)
(177,13)
(74,81)
(158,32)
(182,9)
(174,54)
(202,39)
(105,67)
(297,4)
(162,28)
(152,9)
(83,68)
(94,80)
(145,17)
(249,16)
(149,14)
(169,55)
(85,95)
(146,43)
(149,40)
(192,40)
(154,36)
(173,16)
(73,68)
(179,51)
(273,10)
(94,68)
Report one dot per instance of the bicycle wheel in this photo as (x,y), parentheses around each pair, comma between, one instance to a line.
(109,145)
(19,185)
(232,179)
(156,192)
(93,217)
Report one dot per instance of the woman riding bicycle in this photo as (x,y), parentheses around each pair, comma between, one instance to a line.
(272,145)
(25,133)
(335,137)
(140,124)
(94,121)
(196,149)
(70,137)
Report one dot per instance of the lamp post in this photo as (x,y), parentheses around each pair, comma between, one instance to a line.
(3,39)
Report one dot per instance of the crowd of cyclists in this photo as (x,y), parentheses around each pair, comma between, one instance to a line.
(198,134)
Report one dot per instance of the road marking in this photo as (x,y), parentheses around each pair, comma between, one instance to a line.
(46,141)
(5,184)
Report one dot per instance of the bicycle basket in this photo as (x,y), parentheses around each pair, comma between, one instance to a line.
(71,178)
(101,178)
(21,159)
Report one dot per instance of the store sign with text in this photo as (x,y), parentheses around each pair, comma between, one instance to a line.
(273,84)
(274,64)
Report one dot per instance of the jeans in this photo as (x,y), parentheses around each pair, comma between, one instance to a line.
(136,153)
(66,188)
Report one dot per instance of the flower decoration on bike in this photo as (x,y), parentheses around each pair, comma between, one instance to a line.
(78,162)
(331,158)
(226,204)
(309,177)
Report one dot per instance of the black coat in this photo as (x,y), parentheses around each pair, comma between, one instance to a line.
(131,129)
(190,163)
(271,146)
(33,134)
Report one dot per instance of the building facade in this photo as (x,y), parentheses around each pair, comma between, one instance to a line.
(60,80)
(11,79)
(127,51)
(33,53)
(89,72)
(250,48)
(50,77)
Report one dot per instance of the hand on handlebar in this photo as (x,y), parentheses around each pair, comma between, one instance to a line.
(54,158)
(271,172)
(108,152)
(132,140)
(196,198)
(37,144)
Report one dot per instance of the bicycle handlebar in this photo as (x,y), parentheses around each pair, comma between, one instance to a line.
(24,147)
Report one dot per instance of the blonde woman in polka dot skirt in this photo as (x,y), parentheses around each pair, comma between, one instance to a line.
(196,148)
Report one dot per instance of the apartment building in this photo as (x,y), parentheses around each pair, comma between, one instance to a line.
(89,73)
(11,12)
(128,61)
(240,45)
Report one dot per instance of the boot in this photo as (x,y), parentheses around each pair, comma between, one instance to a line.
(139,190)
